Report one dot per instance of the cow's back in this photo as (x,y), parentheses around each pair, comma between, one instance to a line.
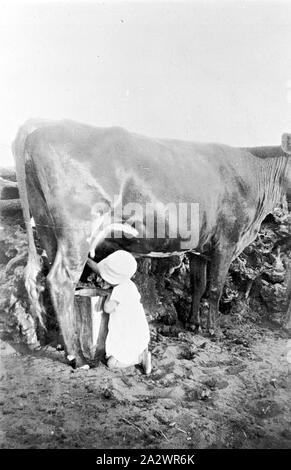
(223,180)
(176,170)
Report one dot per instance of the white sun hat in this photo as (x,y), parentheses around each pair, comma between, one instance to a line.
(118,267)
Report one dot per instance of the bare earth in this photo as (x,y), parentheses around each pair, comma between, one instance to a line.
(232,393)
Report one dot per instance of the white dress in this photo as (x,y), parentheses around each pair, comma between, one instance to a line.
(128,330)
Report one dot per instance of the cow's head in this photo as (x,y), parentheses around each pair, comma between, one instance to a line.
(286,146)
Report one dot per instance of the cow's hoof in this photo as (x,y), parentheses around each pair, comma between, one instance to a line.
(212,334)
(74,361)
(194,328)
(215,334)
(84,367)
(197,329)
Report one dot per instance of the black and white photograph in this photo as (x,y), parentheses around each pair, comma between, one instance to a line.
(145,227)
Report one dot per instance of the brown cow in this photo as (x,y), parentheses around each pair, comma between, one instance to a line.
(71,176)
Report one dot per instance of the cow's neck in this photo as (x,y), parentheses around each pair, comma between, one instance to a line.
(273,177)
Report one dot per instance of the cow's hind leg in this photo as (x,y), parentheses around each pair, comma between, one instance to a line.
(198,267)
(47,240)
(218,269)
(62,279)
(34,289)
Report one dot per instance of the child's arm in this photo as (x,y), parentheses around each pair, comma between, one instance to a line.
(110,305)
(93,265)
(103,292)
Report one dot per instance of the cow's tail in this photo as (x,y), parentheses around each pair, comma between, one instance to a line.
(34,264)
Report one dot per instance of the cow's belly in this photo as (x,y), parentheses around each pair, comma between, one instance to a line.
(152,248)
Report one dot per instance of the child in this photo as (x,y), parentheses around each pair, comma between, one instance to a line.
(128,331)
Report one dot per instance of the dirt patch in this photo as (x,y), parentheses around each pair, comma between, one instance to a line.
(232,392)
(239,400)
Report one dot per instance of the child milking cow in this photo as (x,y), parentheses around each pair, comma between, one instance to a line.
(128,331)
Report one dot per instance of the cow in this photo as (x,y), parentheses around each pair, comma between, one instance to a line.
(71,176)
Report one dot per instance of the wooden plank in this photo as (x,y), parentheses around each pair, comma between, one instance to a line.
(92,324)
(82,306)
(8,173)
(10,205)
(96,313)
(102,335)
(8,189)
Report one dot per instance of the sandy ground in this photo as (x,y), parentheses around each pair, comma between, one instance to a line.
(230,393)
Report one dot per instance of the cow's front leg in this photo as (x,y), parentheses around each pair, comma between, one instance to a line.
(198,267)
(62,280)
(218,269)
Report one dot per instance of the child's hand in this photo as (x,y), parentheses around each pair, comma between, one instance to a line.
(110,305)
(93,265)
(103,292)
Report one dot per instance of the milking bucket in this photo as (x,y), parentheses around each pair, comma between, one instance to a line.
(92,323)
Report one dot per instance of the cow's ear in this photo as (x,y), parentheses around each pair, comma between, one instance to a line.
(286,143)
